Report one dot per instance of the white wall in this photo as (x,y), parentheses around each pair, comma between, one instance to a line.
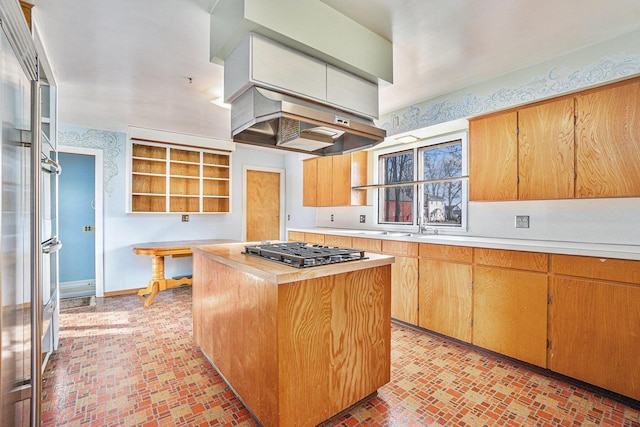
(125,270)
(614,221)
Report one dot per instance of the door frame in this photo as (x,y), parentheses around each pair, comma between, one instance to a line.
(281,171)
(99,214)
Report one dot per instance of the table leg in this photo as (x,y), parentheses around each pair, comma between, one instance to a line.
(158,282)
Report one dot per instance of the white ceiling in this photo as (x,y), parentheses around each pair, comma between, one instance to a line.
(123,62)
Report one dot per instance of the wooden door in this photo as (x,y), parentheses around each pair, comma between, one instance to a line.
(510,313)
(493,157)
(546,150)
(593,327)
(445,298)
(263,206)
(608,142)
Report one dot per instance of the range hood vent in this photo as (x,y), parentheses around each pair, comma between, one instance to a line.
(271,119)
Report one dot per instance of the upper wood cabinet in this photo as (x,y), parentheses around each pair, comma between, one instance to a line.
(493,157)
(583,145)
(310,182)
(167,178)
(546,150)
(608,141)
(329,181)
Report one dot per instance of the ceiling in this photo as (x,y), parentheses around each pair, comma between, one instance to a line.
(146,62)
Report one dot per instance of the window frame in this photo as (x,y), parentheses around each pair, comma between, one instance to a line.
(418,148)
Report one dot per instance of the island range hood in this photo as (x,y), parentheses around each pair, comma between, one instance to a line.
(271,119)
(285,99)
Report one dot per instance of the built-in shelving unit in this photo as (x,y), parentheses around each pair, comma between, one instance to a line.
(166,179)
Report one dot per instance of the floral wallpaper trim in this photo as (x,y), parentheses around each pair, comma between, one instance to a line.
(557,81)
(103,140)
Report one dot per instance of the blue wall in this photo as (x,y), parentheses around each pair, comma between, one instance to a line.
(76,192)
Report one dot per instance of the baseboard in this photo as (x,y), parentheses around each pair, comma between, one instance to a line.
(123,292)
(77,288)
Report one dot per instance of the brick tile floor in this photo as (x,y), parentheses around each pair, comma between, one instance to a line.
(120,364)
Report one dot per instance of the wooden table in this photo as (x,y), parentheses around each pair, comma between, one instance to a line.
(157,251)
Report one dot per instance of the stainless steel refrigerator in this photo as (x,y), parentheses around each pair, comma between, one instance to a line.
(28,265)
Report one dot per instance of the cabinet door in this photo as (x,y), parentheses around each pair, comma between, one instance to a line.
(349,170)
(594,335)
(445,298)
(510,313)
(310,182)
(546,150)
(325,181)
(493,157)
(608,142)
(404,289)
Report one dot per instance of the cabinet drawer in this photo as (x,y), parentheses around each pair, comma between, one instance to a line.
(314,238)
(446,252)
(616,270)
(532,261)
(394,247)
(295,236)
(369,245)
(340,241)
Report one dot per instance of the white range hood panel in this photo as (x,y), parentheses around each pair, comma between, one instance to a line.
(344,44)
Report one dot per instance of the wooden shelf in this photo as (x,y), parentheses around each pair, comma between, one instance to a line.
(168,179)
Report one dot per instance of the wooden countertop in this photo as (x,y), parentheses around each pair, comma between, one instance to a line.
(230,254)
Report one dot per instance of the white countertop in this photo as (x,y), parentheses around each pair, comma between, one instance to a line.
(631,252)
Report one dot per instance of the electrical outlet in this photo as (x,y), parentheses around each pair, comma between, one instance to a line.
(88,228)
(363,219)
(522,221)
(185,218)
(288,217)
(331,217)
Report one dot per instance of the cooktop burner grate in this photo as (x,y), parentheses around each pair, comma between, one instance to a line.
(301,255)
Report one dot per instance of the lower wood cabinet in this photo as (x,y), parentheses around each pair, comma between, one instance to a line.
(510,303)
(578,316)
(445,294)
(295,236)
(510,313)
(338,241)
(594,324)
(404,280)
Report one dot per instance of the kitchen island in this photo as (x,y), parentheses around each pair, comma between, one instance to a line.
(296,345)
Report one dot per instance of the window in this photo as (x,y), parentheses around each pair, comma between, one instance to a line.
(435,193)
(397,201)
(442,199)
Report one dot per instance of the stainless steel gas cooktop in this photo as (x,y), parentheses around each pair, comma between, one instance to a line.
(301,255)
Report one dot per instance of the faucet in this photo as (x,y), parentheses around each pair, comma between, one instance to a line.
(425,229)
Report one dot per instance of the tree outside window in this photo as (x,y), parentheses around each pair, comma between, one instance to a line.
(397,202)
(442,201)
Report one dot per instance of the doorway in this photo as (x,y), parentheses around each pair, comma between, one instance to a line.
(80,220)
(263,204)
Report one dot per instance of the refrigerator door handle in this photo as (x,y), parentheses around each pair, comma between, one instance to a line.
(51,246)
